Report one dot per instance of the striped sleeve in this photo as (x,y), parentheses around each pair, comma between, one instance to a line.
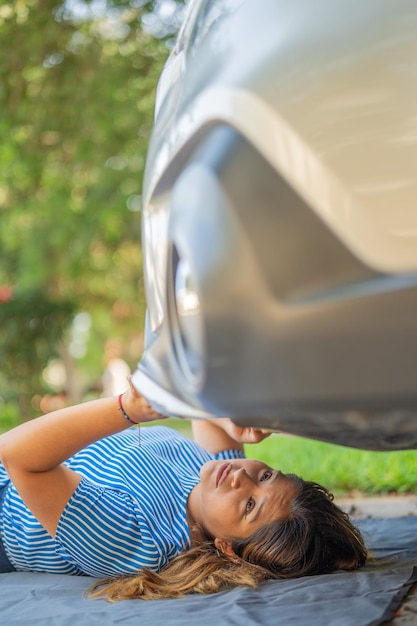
(230,454)
(102,533)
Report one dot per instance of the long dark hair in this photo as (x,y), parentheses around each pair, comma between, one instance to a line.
(316,537)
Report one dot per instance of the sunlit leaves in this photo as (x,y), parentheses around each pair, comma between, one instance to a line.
(76,110)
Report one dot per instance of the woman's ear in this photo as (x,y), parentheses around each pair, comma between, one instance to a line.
(225,547)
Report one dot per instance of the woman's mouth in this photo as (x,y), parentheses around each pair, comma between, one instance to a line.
(222,473)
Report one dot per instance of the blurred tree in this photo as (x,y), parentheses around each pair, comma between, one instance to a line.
(76,101)
(34,325)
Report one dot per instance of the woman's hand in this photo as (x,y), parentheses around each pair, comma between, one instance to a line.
(137,407)
(242,434)
(221,433)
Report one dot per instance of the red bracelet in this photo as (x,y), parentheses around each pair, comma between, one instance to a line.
(123,412)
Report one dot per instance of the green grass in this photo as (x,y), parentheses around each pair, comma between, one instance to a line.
(342,470)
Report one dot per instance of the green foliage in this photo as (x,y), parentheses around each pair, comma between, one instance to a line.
(76,109)
(9,416)
(32,327)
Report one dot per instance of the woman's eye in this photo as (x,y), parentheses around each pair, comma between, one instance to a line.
(249,506)
(266,475)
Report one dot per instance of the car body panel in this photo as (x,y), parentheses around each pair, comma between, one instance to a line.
(279,228)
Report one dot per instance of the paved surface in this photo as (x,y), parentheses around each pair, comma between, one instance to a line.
(382,506)
(389,506)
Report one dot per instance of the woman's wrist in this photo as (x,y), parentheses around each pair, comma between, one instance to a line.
(135,408)
(123,412)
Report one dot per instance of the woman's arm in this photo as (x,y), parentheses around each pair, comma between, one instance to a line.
(33,453)
(222,434)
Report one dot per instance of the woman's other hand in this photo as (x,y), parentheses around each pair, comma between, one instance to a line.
(221,433)
(243,434)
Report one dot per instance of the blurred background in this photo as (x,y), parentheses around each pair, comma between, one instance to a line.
(77,89)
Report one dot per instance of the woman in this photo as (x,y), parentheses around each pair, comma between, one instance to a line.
(85,494)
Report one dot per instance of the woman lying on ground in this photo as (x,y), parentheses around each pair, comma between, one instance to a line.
(163,514)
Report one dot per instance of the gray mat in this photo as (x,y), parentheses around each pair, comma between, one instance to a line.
(364,598)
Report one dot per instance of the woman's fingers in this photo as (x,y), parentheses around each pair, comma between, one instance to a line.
(141,410)
(255,435)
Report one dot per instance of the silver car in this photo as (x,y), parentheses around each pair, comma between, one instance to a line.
(280,220)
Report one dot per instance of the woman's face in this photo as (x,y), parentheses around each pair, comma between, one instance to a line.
(235,498)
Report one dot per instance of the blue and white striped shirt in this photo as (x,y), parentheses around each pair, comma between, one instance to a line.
(127,513)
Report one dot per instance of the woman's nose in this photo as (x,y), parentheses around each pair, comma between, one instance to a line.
(239,477)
